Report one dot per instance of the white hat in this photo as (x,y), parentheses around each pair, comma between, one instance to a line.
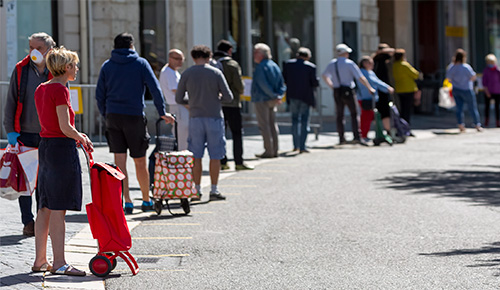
(341,48)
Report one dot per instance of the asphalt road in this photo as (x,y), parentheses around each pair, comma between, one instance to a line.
(423,215)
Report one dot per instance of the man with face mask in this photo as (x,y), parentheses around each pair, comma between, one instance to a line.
(20,116)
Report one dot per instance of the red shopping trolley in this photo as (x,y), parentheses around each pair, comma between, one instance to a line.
(107,219)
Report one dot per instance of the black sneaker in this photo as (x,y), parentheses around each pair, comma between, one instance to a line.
(216,196)
(197,197)
(147,206)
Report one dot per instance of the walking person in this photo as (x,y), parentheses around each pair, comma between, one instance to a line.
(232,110)
(491,84)
(267,91)
(340,75)
(169,80)
(404,83)
(382,67)
(366,65)
(462,76)
(59,174)
(206,88)
(301,80)
(20,116)
(120,99)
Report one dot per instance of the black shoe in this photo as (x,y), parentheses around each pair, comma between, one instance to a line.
(342,142)
(197,197)
(147,206)
(216,196)
(263,155)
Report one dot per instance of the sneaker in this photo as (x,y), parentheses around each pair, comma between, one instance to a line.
(244,167)
(147,206)
(224,167)
(305,151)
(129,208)
(479,128)
(263,155)
(197,198)
(216,196)
(29,229)
(342,142)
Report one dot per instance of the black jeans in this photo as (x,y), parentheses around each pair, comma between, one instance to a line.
(232,117)
(406,101)
(496,98)
(340,103)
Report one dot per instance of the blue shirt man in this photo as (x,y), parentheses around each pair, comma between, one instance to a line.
(267,90)
(301,80)
(342,72)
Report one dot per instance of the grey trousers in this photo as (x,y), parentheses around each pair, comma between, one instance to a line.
(266,119)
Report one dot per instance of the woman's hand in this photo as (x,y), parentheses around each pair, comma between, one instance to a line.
(87,144)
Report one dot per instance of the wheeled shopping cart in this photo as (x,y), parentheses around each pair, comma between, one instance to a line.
(107,219)
(171,170)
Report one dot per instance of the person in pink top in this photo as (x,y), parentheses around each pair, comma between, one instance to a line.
(491,84)
(59,174)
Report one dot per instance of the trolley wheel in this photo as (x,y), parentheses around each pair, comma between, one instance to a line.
(114,262)
(100,266)
(185,205)
(376,142)
(158,206)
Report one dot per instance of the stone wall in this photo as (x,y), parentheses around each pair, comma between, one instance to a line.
(369,27)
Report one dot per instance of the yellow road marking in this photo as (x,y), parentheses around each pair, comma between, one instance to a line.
(150,270)
(170,224)
(267,178)
(159,256)
(162,238)
(240,185)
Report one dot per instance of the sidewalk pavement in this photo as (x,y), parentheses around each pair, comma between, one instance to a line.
(17,251)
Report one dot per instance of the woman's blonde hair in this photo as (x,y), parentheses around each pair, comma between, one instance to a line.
(491,58)
(58,58)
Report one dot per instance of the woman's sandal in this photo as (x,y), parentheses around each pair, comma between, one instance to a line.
(43,268)
(68,270)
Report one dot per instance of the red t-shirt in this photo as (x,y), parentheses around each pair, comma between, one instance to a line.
(47,98)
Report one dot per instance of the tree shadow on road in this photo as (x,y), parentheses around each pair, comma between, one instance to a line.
(481,187)
(491,249)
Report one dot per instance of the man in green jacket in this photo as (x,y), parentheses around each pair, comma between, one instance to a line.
(232,110)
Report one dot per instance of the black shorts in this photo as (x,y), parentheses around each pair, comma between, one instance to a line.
(127,132)
(383,105)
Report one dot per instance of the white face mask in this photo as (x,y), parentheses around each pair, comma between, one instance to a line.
(36,56)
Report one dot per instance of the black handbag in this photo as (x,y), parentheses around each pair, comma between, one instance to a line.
(345,92)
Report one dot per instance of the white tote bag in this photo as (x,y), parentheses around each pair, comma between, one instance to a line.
(446,99)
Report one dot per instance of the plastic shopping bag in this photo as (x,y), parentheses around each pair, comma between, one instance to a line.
(18,171)
(446,99)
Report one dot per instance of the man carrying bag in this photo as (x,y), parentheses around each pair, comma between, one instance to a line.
(340,75)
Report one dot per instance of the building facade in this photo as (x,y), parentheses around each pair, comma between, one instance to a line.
(429,30)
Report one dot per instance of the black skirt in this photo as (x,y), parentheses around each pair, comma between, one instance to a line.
(59,175)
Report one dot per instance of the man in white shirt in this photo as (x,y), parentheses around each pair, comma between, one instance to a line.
(169,79)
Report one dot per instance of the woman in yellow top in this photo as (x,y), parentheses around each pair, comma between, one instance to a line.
(404,82)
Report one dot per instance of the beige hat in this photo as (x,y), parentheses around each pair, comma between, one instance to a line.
(341,48)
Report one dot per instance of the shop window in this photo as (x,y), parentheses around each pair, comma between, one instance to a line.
(153,35)
(350,37)
(493,27)
(456,27)
(228,23)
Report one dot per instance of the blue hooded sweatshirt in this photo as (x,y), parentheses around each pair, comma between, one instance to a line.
(122,83)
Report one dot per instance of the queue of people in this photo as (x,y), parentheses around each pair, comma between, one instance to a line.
(205,99)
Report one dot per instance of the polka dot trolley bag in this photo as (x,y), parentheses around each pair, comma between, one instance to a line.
(173,177)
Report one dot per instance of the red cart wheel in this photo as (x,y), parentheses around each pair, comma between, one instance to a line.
(100,266)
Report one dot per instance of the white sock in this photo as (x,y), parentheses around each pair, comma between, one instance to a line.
(214,188)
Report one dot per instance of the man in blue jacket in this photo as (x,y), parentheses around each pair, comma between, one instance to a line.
(267,91)
(120,98)
(301,80)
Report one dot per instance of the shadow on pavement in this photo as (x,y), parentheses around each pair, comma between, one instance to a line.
(22,278)
(480,187)
(12,240)
(493,248)
(76,218)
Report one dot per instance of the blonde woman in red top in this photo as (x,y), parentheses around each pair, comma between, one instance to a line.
(59,175)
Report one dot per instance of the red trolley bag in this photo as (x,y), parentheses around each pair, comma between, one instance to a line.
(107,219)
